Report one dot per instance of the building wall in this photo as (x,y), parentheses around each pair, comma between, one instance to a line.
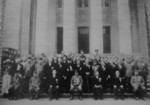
(17,25)
(18,29)
(114,28)
(25,26)
(12,24)
(142,27)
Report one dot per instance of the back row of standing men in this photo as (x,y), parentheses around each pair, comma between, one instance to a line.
(97,73)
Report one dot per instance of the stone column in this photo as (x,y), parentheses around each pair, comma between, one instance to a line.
(142,27)
(134,24)
(2,16)
(25,26)
(124,27)
(52,37)
(96,32)
(70,39)
(33,11)
(12,24)
(41,27)
(114,28)
(147,10)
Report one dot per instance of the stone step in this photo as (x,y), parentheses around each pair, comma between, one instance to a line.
(85,95)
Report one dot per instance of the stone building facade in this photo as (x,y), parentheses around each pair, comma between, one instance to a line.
(50,26)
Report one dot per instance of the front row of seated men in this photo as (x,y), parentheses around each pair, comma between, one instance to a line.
(137,83)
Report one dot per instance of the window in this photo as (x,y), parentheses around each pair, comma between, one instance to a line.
(83,3)
(86,4)
(59,3)
(83,39)
(106,3)
(106,39)
(79,3)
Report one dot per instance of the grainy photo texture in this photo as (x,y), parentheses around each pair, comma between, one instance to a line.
(74,52)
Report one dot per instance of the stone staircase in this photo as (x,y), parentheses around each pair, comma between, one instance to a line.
(148,87)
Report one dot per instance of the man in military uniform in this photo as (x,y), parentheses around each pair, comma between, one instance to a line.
(98,88)
(53,85)
(76,85)
(34,86)
(137,83)
(118,85)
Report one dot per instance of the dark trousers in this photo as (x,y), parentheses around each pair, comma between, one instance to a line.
(14,93)
(139,91)
(98,91)
(34,93)
(119,90)
(53,91)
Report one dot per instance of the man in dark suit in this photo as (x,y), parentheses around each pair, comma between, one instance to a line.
(65,72)
(98,88)
(118,85)
(53,85)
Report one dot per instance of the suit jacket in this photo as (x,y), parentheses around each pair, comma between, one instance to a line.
(54,81)
(118,81)
(19,68)
(97,81)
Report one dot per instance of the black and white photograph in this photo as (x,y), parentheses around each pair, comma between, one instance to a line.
(74,52)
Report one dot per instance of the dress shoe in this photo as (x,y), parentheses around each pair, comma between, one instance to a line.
(71,98)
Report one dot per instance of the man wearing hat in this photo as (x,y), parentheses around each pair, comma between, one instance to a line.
(76,84)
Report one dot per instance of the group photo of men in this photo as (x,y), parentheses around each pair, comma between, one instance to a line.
(74,74)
